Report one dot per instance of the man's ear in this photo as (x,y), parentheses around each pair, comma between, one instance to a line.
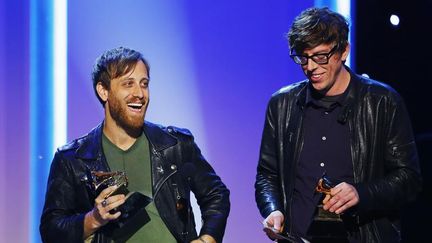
(102,91)
(345,53)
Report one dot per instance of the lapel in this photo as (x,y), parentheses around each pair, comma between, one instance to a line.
(158,137)
(90,150)
(90,146)
(162,162)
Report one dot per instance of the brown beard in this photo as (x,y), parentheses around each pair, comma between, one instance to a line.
(133,126)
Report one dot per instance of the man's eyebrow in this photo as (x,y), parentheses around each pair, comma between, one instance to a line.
(127,79)
(314,53)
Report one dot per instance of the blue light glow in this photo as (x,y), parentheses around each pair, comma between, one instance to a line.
(60,72)
(48,55)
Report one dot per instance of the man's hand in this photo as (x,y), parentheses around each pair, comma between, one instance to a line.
(342,197)
(204,239)
(275,221)
(100,215)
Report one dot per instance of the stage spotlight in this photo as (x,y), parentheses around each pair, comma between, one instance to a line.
(394,20)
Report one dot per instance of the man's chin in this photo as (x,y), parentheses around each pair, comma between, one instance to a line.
(319,89)
(133,128)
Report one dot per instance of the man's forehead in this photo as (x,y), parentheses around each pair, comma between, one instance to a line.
(139,69)
(319,48)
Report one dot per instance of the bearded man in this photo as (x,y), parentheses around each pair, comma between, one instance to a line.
(162,164)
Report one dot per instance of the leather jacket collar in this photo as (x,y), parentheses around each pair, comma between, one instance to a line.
(91,147)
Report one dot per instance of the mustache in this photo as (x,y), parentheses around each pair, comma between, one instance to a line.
(142,101)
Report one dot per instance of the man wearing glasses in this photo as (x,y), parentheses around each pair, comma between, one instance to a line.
(350,134)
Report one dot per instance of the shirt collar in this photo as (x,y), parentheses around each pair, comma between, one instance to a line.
(313,97)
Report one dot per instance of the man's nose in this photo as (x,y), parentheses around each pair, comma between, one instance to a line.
(311,65)
(138,91)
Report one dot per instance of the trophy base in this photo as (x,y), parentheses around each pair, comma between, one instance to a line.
(323,215)
(133,217)
(327,227)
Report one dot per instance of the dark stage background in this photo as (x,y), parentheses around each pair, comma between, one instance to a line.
(401,56)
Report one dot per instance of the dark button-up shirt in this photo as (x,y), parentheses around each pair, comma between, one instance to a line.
(326,149)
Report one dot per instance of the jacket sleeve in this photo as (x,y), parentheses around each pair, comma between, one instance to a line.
(268,192)
(60,221)
(211,193)
(401,180)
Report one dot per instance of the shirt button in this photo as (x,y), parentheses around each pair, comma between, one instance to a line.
(322,164)
(326,112)
(324,138)
(173,167)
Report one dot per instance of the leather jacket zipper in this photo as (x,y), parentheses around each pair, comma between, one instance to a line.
(157,154)
(375,231)
(353,152)
(394,148)
(164,180)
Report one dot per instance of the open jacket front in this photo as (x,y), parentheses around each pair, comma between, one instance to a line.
(385,161)
(177,168)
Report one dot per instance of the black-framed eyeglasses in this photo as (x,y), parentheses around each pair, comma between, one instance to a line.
(319,58)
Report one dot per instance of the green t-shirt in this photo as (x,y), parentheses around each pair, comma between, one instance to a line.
(135,161)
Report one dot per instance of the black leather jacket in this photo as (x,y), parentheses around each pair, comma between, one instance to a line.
(383,150)
(177,168)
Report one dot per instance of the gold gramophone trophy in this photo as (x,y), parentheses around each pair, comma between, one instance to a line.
(324,186)
(133,214)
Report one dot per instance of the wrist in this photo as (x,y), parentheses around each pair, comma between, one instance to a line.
(202,240)
(91,221)
(89,225)
(206,239)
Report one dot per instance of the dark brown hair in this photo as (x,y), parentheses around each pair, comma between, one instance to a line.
(115,63)
(316,26)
